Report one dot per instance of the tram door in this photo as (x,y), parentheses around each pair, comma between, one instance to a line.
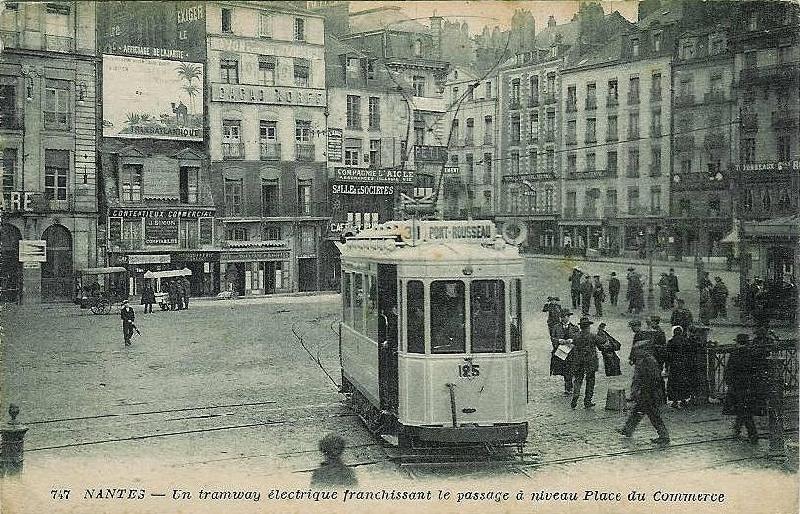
(387,335)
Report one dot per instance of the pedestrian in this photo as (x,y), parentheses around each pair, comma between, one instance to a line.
(333,473)
(613,288)
(746,373)
(719,298)
(187,290)
(705,281)
(586,295)
(629,290)
(665,291)
(180,293)
(599,295)
(575,287)
(148,298)
(640,337)
(647,395)
(553,310)
(128,317)
(705,304)
(680,370)
(681,316)
(611,346)
(659,339)
(638,289)
(585,363)
(674,288)
(172,287)
(564,335)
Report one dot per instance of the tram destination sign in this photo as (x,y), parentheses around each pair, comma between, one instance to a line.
(463,230)
(374,175)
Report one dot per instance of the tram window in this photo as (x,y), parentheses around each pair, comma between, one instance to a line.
(447,317)
(358,302)
(371,307)
(415,314)
(487,306)
(347,299)
(515,313)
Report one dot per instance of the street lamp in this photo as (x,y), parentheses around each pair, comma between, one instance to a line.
(649,245)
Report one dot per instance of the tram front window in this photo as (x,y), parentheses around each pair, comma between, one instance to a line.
(447,317)
(415,327)
(487,306)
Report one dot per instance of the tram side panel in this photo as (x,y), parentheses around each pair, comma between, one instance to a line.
(359,356)
(491,389)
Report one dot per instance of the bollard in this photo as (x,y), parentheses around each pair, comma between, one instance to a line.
(12,444)
(615,399)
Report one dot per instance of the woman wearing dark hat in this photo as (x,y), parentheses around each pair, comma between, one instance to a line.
(680,357)
(745,374)
(333,473)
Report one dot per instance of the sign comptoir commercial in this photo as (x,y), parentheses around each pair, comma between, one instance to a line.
(152,98)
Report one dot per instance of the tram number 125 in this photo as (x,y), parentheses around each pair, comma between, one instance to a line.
(469,370)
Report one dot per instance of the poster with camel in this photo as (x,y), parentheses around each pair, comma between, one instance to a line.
(152,98)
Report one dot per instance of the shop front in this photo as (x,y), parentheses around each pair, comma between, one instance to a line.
(255,271)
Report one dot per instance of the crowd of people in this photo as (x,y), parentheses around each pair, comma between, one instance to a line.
(177,289)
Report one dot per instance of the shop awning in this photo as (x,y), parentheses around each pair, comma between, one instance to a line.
(786,226)
(168,273)
(102,271)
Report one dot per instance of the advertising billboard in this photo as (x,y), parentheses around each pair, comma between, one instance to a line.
(152,98)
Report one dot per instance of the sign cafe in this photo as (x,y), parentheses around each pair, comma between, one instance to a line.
(268,95)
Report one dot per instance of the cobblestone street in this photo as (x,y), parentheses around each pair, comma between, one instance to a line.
(226,387)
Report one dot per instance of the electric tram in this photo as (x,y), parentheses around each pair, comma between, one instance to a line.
(431,339)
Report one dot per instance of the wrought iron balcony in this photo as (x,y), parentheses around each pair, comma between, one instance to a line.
(232,151)
(530,177)
(549,98)
(588,174)
(270,151)
(305,151)
(533,101)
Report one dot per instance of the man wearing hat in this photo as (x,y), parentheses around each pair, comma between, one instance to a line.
(586,294)
(128,316)
(599,295)
(640,338)
(659,345)
(553,310)
(673,287)
(681,316)
(564,331)
(613,288)
(719,298)
(647,393)
(747,378)
(665,291)
(585,364)
(575,287)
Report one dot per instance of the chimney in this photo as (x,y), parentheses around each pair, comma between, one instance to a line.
(551,22)
(436,28)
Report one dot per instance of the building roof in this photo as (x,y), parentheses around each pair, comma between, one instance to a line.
(667,14)
(387,17)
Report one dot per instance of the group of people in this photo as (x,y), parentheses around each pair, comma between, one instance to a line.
(713,298)
(177,289)
(586,288)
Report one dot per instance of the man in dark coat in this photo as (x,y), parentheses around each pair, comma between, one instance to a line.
(674,289)
(586,363)
(553,310)
(172,289)
(148,298)
(647,394)
(659,346)
(638,293)
(128,317)
(613,288)
(586,295)
(640,338)
(746,373)
(680,368)
(665,291)
(575,287)
(598,295)
(333,473)
(719,298)
(681,316)
(187,289)
(564,333)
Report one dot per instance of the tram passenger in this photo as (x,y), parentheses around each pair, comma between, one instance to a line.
(447,317)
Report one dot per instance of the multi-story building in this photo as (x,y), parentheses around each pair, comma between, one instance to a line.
(468,185)
(766,181)
(266,110)
(158,212)
(616,143)
(367,129)
(704,112)
(48,132)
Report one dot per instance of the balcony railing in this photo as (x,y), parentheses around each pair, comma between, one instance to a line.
(468,141)
(590,138)
(609,212)
(714,97)
(58,43)
(783,73)
(549,98)
(10,121)
(684,100)
(588,174)
(784,119)
(530,177)
(232,151)
(655,171)
(571,139)
(612,136)
(633,99)
(305,151)
(572,106)
(612,101)
(533,101)
(696,182)
(270,151)
(591,104)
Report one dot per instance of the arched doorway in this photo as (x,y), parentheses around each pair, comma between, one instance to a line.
(57,276)
(10,267)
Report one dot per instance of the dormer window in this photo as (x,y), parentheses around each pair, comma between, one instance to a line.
(752,22)
(418,48)
(635,48)
(657,42)
(687,49)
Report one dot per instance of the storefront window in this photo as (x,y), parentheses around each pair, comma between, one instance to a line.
(358,302)
(347,301)
(447,317)
(487,306)
(415,314)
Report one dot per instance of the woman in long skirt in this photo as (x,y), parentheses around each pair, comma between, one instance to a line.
(680,368)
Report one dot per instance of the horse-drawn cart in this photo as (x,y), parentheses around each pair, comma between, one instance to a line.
(99,289)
